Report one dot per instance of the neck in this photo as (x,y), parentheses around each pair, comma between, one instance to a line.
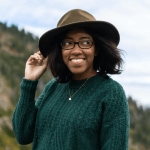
(82,77)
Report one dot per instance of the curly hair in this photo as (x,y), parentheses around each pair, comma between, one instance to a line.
(108,58)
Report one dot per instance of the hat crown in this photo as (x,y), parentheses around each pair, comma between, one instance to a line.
(75,16)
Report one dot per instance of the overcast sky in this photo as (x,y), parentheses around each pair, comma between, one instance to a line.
(131,17)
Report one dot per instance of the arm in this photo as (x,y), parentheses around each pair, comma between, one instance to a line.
(115,125)
(24,116)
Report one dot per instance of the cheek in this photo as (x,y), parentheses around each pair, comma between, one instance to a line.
(91,59)
(92,54)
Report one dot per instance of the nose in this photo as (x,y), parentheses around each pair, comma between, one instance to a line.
(76,49)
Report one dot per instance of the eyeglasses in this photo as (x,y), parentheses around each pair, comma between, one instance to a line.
(83,44)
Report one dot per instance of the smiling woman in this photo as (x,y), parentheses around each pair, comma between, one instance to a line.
(79,56)
(81,108)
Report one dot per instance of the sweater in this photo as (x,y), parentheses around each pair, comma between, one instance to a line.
(97,117)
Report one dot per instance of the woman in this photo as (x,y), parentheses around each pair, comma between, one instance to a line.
(81,108)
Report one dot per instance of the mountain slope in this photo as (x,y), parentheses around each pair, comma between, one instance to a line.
(15,47)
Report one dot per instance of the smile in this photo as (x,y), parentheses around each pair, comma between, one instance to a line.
(77,60)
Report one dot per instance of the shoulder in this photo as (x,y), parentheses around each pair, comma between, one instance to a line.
(106,84)
(114,89)
(48,89)
(51,84)
(113,85)
(115,96)
(110,90)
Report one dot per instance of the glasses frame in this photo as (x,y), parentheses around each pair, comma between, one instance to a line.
(78,43)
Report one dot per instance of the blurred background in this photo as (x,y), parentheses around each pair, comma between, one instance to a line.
(22,22)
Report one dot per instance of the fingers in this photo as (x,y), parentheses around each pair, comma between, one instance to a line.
(39,55)
(36,59)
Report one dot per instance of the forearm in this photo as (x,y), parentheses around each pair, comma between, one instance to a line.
(25,113)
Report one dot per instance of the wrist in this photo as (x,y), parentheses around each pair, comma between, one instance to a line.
(30,79)
(28,86)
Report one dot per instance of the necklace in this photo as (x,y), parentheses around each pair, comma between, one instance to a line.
(71,95)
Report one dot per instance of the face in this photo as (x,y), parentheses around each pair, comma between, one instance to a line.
(79,61)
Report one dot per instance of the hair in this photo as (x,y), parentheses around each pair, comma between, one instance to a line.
(108,58)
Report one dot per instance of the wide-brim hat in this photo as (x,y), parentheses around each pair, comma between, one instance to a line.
(77,18)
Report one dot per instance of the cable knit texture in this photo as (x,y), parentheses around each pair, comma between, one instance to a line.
(97,117)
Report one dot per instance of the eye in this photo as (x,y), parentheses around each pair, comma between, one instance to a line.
(67,43)
(85,42)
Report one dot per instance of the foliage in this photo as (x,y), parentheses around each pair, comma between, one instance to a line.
(139,125)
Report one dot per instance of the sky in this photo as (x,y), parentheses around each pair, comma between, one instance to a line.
(131,18)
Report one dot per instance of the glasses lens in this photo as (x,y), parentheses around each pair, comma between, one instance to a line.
(67,44)
(85,44)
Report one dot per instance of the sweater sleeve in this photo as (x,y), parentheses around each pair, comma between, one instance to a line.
(23,119)
(115,124)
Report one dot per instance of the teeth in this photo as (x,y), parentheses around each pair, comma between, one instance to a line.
(76,60)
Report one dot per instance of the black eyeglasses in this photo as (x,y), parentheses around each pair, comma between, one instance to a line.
(83,44)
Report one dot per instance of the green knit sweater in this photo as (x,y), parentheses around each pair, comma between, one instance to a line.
(97,117)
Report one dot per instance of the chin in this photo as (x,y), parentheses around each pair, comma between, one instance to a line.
(77,71)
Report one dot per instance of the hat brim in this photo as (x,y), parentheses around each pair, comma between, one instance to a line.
(102,28)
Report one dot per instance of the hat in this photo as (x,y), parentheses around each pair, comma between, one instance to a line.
(73,19)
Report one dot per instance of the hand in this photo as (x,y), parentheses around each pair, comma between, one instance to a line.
(36,65)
